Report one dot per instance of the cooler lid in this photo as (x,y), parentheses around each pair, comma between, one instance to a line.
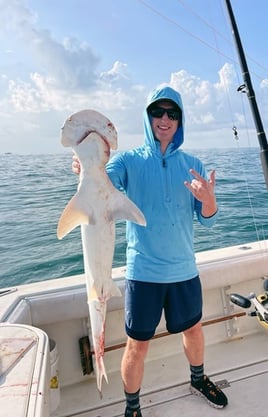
(23,370)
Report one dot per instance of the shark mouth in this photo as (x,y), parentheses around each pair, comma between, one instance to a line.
(88,132)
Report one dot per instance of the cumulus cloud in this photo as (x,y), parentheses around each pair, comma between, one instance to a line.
(70,63)
(264,83)
(208,104)
(15,15)
(66,72)
(118,72)
(62,77)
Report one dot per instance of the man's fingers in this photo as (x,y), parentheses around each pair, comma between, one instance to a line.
(212,177)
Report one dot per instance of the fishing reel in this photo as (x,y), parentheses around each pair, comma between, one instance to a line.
(260,303)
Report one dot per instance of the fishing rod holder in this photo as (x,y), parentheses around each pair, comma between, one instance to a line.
(260,303)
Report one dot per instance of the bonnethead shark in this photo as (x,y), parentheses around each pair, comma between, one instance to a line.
(96,206)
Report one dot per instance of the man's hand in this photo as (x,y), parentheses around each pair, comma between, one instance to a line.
(76,165)
(203,191)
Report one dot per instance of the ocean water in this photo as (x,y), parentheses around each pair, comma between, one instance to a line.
(34,190)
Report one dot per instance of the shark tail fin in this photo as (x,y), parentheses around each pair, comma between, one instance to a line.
(100,373)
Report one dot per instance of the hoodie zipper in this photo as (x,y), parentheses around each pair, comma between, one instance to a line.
(166,181)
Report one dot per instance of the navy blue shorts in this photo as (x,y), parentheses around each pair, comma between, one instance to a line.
(145,301)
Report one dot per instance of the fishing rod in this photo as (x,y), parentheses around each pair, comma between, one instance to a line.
(248,89)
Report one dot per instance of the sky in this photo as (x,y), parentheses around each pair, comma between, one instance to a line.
(59,57)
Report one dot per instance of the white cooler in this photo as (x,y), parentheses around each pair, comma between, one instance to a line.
(24,371)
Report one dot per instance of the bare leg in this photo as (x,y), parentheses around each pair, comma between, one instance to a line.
(132,366)
(193,343)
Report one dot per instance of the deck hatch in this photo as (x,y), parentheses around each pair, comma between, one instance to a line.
(223,383)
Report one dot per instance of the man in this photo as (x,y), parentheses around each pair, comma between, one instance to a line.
(170,187)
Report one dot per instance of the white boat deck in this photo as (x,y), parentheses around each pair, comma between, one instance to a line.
(241,365)
(236,347)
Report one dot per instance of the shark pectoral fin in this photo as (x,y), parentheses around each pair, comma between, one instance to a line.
(109,290)
(92,294)
(72,216)
(125,209)
(114,290)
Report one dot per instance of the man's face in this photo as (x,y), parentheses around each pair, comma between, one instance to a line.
(164,128)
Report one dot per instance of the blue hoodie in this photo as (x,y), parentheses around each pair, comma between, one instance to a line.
(162,251)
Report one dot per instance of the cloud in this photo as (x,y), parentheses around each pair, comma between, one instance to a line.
(16,16)
(118,72)
(207,104)
(70,63)
(60,77)
(264,83)
(43,107)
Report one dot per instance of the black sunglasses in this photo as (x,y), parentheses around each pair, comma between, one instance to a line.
(159,112)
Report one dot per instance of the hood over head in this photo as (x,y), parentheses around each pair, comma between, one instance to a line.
(168,94)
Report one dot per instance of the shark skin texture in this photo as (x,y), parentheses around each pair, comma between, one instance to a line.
(96,206)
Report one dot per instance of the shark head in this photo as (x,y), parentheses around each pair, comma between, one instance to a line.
(80,125)
(94,150)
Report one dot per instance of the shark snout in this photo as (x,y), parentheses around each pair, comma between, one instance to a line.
(112,137)
(81,124)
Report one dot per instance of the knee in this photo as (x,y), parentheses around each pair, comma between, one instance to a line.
(137,348)
(194,330)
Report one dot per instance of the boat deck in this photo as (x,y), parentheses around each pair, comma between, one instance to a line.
(236,355)
(239,366)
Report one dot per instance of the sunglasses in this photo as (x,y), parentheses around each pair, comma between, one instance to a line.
(159,112)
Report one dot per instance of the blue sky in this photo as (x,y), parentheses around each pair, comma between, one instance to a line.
(58,57)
